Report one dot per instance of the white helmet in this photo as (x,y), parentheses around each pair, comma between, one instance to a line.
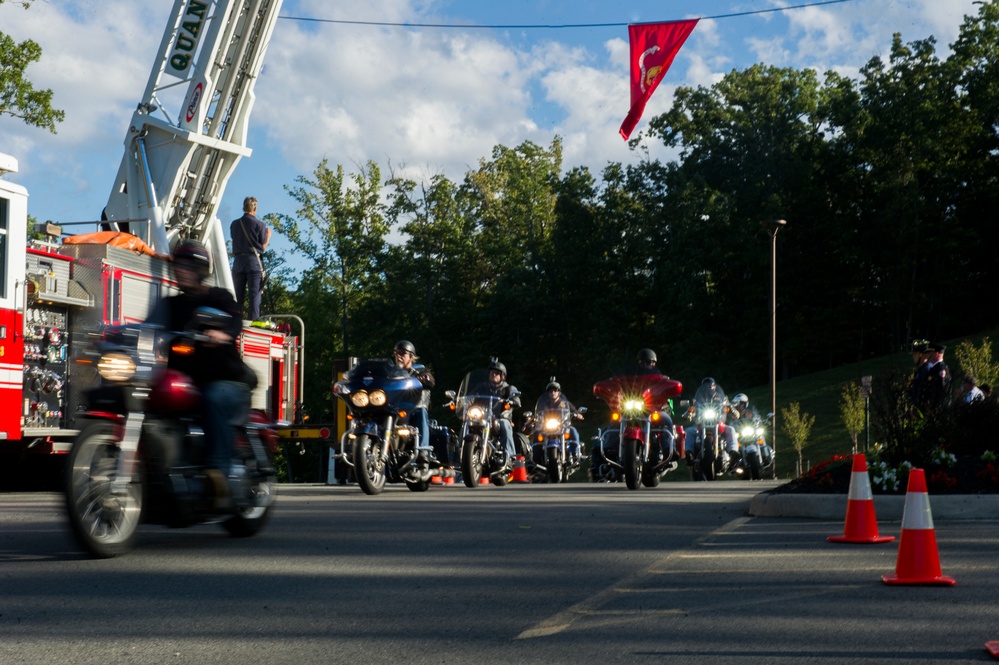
(740,399)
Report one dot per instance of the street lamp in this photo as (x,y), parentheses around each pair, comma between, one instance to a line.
(773,227)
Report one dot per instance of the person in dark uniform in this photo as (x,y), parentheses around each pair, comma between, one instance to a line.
(935,392)
(404,354)
(249,237)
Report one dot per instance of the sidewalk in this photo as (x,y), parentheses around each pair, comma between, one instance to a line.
(888,508)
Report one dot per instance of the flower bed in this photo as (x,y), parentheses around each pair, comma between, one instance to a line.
(947,474)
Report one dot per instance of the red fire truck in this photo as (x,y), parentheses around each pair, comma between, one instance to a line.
(186,136)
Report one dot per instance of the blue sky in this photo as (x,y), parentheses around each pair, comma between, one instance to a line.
(420,101)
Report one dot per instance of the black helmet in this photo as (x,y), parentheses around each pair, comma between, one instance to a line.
(495,364)
(647,356)
(553,385)
(707,380)
(405,346)
(193,254)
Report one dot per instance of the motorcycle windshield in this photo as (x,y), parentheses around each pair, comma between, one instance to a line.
(475,390)
(706,395)
(549,418)
(655,390)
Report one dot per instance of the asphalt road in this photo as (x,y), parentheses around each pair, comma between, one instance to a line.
(573,573)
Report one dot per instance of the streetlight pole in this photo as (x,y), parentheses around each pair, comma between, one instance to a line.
(773,227)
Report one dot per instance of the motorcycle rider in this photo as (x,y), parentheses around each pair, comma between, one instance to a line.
(405,354)
(646,366)
(555,400)
(216,368)
(497,386)
(741,410)
(710,395)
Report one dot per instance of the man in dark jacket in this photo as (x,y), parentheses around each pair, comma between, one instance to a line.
(249,240)
(498,387)
(216,367)
(405,354)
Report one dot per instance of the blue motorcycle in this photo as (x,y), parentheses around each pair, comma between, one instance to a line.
(380,444)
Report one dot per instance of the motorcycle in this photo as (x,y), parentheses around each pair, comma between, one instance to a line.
(380,445)
(555,455)
(707,456)
(140,457)
(482,452)
(638,445)
(757,456)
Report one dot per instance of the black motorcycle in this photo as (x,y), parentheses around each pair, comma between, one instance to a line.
(482,453)
(380,444)
(140,456)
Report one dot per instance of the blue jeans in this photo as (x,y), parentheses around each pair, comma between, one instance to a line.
(419,420)
(506,437)
(226,406)
(248,284)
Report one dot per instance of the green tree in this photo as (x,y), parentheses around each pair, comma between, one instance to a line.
(977,361)
(18,97)
(853,411)
(797,425)
(340,227)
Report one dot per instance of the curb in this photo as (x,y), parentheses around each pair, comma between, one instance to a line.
(888,508)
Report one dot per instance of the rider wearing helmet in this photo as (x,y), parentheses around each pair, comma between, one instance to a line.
(555,400)
(498,387)
(741,410)
(215,368)
(710,393)
(646,366)
(404,354)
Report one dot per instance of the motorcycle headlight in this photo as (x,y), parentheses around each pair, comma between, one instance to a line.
(377,398)
(476,413)
(359,399)
(710,414)
(633,406)
(553,425)
(747,432)
(759,431)
(116,367)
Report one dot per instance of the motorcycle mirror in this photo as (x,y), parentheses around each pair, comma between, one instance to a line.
(582,409)
(449,394)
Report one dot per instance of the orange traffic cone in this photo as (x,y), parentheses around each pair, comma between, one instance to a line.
(918,561)
(993,648)
(861,524)
(519,471)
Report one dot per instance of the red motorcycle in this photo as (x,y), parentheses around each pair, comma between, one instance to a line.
(646,447)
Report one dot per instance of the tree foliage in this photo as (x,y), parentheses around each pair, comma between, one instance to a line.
(888,182)
(18,97)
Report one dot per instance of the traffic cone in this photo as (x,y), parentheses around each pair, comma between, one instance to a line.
(918,561)
(993,648)
(519,471)
(861,524)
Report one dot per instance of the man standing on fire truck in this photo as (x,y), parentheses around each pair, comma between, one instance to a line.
(216,368)
(249,240)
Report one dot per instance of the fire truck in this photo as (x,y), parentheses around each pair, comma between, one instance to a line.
(186,136)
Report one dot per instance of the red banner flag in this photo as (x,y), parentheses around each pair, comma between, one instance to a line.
(653,47)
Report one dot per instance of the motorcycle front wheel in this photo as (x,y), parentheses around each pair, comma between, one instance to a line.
(554,465)
(369,465)
(471,462)
(103,522)
(632,462)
